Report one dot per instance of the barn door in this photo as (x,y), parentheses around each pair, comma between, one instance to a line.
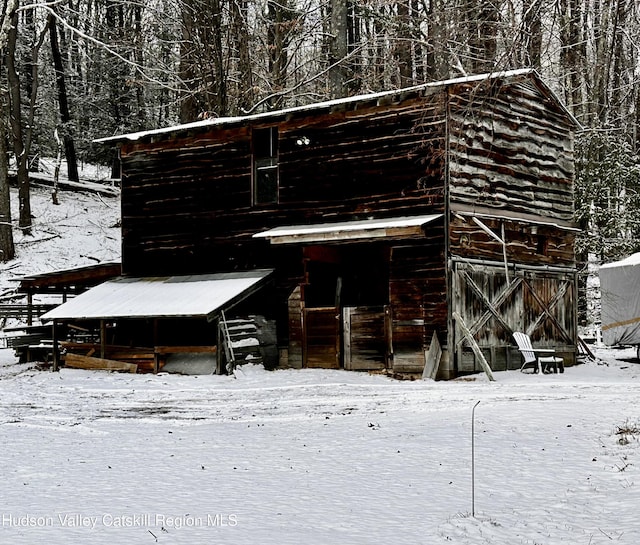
(365,337)
(321,337)
(538,302)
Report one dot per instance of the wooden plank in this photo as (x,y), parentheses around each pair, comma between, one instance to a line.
(321,337)
(474,346)
(365,343)
(346,331)
(124,355)
(77,361)
(72,345)
(184,349)
(432,358)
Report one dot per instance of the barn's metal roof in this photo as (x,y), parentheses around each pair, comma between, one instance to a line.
(161,297)
(63,281)
(349,230)
(337,103)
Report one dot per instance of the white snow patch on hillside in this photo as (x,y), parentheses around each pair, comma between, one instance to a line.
(82,230)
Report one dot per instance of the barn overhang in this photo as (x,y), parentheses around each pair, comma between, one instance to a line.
(510,216)
(398,227)
(195,296)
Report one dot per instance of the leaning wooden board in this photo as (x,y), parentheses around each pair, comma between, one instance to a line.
(77,361)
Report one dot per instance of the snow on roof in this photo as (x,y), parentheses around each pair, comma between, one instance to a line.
(630,261)
(160,297)
(328,104)
(371,228)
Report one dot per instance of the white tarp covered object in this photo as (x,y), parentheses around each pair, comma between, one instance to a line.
(620,300)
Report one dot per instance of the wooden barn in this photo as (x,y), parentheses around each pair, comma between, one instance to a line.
(387,219)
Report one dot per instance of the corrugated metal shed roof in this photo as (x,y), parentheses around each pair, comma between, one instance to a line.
(161,297)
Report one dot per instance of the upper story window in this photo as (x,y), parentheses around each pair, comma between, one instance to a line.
(265,165)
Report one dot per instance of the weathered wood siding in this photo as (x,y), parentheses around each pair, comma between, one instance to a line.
(504,145)
(510,149)
(365,337)
(538,302)
(418,297)
(527,243)
(321,347)
(186,201)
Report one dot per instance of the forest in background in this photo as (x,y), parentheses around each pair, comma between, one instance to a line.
(76,70)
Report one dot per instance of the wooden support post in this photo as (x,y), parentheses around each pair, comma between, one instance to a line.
(219,347)
(56,347)
(474,345)
(103,338)
(156,356)
(29,307)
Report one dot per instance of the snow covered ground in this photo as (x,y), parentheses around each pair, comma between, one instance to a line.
(308,456)
(319,457)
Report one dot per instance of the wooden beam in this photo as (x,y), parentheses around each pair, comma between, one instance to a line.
(30,308)
(432,358)
(77,361)
(103,338)
(56,347)
(474,345)
(184,349)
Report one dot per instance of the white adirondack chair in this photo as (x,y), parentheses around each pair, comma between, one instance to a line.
(535,358)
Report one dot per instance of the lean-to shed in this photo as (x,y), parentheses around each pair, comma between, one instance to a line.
(383,216)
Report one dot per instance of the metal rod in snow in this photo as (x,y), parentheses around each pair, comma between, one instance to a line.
(473,460)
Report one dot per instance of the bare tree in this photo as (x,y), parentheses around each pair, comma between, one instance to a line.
(63,103)
(7,248)
(338,49)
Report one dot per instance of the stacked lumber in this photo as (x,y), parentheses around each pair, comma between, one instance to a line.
(86,355)
(142,358)
(77,361)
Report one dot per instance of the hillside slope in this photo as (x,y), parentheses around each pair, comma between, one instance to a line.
(83,229)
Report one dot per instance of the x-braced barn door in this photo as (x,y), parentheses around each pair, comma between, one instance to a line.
(538,301)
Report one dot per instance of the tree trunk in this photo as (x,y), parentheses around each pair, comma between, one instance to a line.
(436,64)
(532,30)
(277,42)
(188,103)
(571,57)
(482,35)
(202,60)
(403,44)
(20,150)
(240,35)
(338,49)
(7,248)
(65,116)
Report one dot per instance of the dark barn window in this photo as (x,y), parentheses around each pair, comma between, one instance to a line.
(265,165)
